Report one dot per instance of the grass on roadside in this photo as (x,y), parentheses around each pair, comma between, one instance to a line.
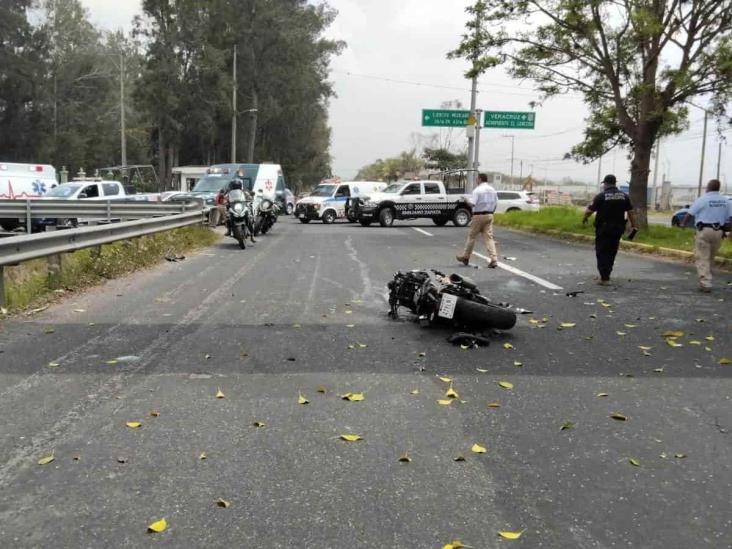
(568,220)
(29,283)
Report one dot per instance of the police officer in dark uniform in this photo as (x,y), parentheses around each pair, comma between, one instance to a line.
(610,207)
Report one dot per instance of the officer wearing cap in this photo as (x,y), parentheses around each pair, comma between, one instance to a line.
(713,217)
(610,207)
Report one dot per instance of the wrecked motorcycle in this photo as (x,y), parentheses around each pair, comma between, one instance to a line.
(448,300)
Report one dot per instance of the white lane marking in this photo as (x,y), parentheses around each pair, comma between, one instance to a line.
(423,232)
(519,272)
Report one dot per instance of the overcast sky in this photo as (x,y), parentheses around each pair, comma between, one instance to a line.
(395,65)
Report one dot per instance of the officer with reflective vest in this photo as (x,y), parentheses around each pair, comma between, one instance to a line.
(713,218)
(610,207)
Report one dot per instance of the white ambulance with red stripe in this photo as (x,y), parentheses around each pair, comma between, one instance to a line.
(22,181)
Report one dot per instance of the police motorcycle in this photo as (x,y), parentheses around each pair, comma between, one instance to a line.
(239,215)
(447,300)
(265,213)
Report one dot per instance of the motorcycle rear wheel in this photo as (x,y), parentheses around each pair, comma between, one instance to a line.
(483,315)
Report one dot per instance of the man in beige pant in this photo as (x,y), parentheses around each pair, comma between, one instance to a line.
(484,201)
(713,217)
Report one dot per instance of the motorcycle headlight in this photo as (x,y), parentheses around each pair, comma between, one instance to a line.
(238,207)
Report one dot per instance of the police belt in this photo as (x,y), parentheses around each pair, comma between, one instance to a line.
(714,226)
(484,213)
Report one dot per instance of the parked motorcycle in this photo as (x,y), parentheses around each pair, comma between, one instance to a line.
(239,217)
(448,300)
(265,214)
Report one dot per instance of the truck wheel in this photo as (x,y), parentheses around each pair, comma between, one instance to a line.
(386,217)
(329,217)
(439,221)
(365,222)
(461,218)
(304,220)
(9,224)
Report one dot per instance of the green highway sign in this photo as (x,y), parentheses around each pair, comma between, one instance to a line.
(451,118)
(509,120)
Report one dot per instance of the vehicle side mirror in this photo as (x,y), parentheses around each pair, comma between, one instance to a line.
(82,196)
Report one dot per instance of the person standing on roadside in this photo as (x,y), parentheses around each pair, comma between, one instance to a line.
(484,201)
(610,207)
(713,217)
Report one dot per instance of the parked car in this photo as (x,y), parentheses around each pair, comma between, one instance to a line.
(331,201)
(512,201)
(678,217)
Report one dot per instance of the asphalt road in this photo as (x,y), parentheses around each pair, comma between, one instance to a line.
(305,307)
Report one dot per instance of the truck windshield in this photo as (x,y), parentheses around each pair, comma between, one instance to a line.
(394,188)
(211,184)
(323,190)
(63,191)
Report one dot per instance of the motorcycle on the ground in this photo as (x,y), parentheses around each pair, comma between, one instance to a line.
(448,300)
(239,217)
(265,214)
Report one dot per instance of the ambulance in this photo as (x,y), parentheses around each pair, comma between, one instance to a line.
(22,181)
(332,200)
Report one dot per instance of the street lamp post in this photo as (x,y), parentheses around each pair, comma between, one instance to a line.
(513,139)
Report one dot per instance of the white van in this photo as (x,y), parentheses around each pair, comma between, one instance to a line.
(21,181)
(332,200)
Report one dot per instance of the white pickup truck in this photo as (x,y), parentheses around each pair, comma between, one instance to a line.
(413,200)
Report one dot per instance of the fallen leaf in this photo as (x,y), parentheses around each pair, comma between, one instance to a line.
(672,343)
(601,394)
(220,393)
(505,384)
(482,370)
(445,379)
(110,362)
(724,360)
(414,392)
(478,449)
(444,402)
(121,459)
(202,456)
(644,348)
(663,455)
(46,460)
(673,333)
(421,355)
(302,400)
(459,458)
(350,325)
(49,330)
(361,345)
(631,325)
(709,338)
(79,310)
(297,326)
(505,534)
(322,389)
(518,364)
(494,405)
(258,424)
(679,456)
(455,544)
(708,349)
(134,424)
(53,364)
(158,526)
(694,342)
(349,312)
(3,311)
(207,357)
(507,346)
(568,325)
(464,347)
(617,416)
(658,370)
(351,438)
(223,503)
(154,413)
(646,353)
(405,458)
(353,397)
(634,462)
(451,393)
(622,333)
(567,425)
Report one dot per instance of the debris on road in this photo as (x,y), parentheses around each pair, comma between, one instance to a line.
(471,341)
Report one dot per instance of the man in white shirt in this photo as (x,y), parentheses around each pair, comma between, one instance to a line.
(484,201)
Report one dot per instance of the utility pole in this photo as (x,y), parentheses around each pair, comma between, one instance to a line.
(513,139)
(655,174)
(521,171)
(234,113)
(703,152)
(472,156)
(599,170)
(719,159)
(123,138)
(476,160)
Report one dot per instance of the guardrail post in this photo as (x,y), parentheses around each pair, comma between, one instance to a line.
(109,211)
(2,285)
(28,219)
(54,266)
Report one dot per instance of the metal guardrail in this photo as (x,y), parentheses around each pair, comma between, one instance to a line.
(24,248)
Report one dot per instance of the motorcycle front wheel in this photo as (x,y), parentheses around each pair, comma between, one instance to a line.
(483,315)
(240,236)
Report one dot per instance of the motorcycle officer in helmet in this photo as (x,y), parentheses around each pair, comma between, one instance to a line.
(238,184)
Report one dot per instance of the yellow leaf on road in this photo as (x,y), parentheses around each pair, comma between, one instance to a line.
(601,394)
(709,338)
(518,364)
(673,333)
(445,379)
(672,343)
(202,455)
(414,392)
(482,370)
(621,333)
(618,417)
(134,424)
(505,534)
(694,342)
(302,400)
(451,393)
(353,397)
(220,393)
(507,346)
(446,402)
(568,325)
(455,544)
(46,460)
(223,503)
(725,360)
(404,458)
(644,348)
(505,384)
(258,424)
(494,405)
(351,438)
(478,449)
(634,462)
(631,325)
(158,526)
(154,413)
(361,345)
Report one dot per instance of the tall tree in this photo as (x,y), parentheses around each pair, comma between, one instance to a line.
(391,169)
(637,63)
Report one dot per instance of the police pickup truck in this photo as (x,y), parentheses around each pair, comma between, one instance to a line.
(413,200)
